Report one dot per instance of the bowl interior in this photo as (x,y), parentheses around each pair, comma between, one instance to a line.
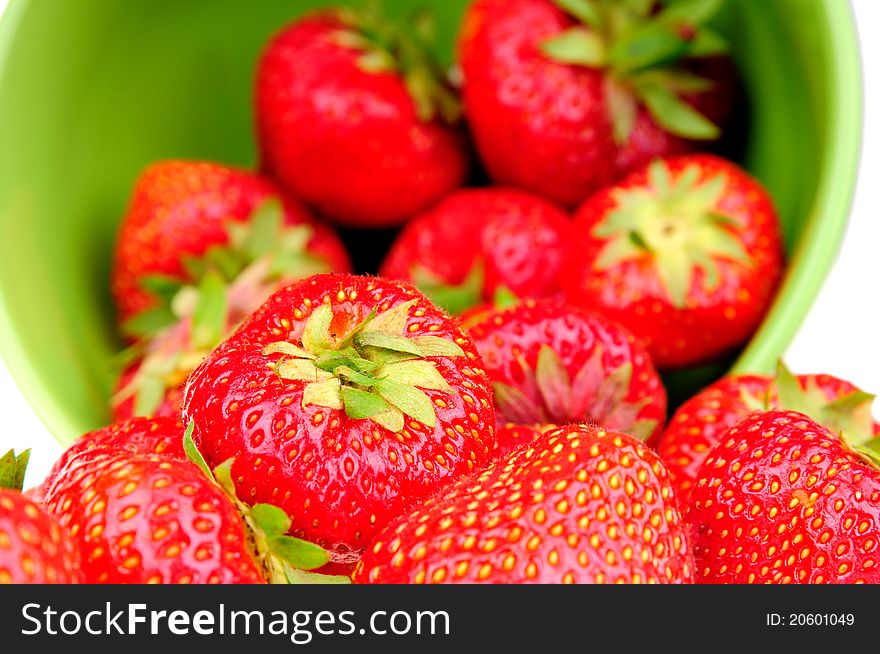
(93,91)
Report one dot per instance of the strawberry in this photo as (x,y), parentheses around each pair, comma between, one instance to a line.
(137,436)
(580,505)
(148,519)
(202,246)
(344,399)
(512,436)
(33,548)
(476,243)
(353,117)
(699,424)
(782,499)
(551,363)
(686,252)
(565,96)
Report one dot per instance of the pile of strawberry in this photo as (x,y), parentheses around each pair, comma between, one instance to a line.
(489,408)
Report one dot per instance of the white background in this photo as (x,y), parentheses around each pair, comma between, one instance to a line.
(840,335)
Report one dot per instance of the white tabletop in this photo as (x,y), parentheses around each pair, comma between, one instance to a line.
(840,336)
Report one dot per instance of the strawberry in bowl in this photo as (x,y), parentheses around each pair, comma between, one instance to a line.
(343,400)
(563,97)
(685,252)
(354,117)
(550,363)
(476,245)
(580,505)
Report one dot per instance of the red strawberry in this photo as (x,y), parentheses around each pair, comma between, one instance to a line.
(580,505)
(353,118)
(137,436)
(477,242)
(512,436)
(700,423)
(201,247)
(550,363)
(685,252)
(344,399)
(33,548)
(148,519)
(563,97)
(784,500)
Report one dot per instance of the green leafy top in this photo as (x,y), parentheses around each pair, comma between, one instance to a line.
(373,372)
(283,559)
(402,46)
(467,294)
(454,298)
(12,469)
(549,395)
(678,225)
(258,252)
(223,285)
(640,43)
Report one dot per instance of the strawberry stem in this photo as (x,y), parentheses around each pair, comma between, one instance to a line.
(402,47)
(373,372)
(640,43)
(12,469)
(676,224)
(283,559)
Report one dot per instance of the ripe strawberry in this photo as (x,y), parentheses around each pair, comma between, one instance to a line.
(344,399)
(161,436)
(148,519)
(580,505)
(33,548)
(564,96)
(512,436)
(550,363)
(699,424)
(685,252)
(477,242)
(352,116)
(201,247)
(784,500)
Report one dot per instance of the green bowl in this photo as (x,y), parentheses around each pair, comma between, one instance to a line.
(93,90)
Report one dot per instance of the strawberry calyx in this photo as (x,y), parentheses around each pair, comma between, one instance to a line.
(639,43)
(870,451)
(167,358)
(257,253)
(223,285)
(849,415)
(402,47)
(12,469)
(549,395)
(454,298)
(372,372)
(467,294)
(283,559)
(677,226)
